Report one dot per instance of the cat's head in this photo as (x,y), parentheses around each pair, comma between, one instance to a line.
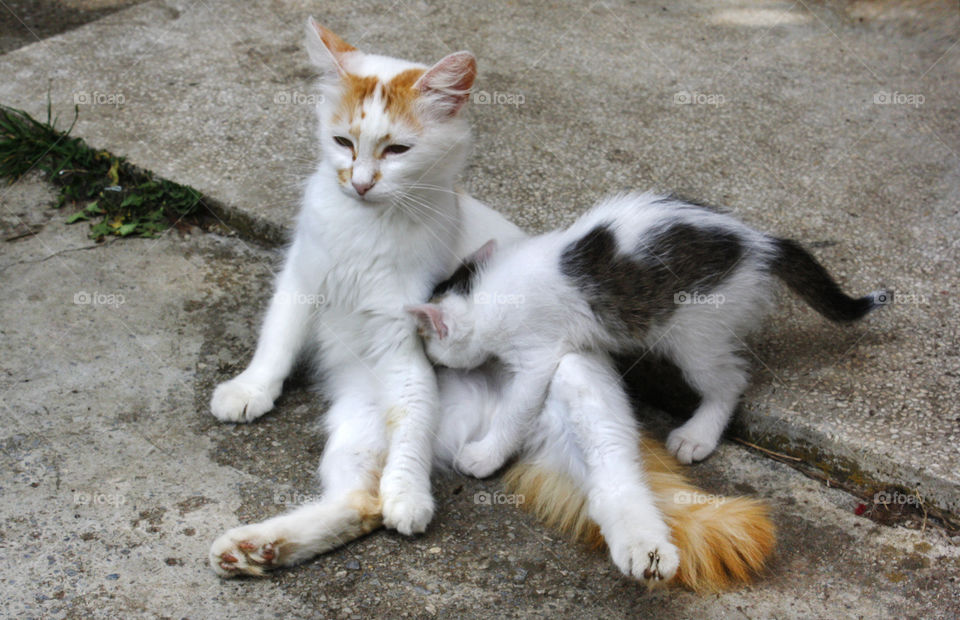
(453,325)
(389,126)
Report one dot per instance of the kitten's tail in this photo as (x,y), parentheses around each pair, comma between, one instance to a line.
(809,279)
(722,540)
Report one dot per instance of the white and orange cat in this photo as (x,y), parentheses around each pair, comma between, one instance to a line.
(381,224)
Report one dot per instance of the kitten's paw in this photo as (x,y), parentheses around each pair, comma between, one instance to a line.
(655,562)
(477,459)
(691,444)
(238,400)
(248,550)
(408,512)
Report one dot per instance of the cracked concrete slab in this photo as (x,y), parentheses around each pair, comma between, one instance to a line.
(116,478)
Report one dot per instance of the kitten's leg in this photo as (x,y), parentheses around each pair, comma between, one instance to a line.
(349,506)
(250,394)
(713,368)
(412,404)
(510,421)
(588,431)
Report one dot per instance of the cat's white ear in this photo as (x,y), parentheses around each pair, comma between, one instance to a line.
(429,318)
(326,49)
(446,85)
(482,255)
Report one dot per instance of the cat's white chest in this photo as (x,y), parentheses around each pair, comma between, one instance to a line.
(365,258)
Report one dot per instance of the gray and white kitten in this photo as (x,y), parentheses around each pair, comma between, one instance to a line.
(636,273)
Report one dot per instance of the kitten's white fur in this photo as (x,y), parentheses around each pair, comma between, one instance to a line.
(524,311)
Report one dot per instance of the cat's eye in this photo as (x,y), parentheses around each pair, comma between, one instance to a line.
(396,149)
(344,142)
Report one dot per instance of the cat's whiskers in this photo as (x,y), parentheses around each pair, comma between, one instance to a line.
(421,218)
(415,212)
(425,205)
(435,188)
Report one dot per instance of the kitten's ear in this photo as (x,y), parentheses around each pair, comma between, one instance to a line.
(482,255)
(430,319)
(446,85)
(326,49)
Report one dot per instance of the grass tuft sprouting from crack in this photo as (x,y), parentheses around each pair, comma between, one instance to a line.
(117,198)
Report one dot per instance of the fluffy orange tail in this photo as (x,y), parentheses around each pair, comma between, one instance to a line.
(722,540)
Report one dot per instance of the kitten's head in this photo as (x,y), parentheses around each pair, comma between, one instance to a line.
(448,329)
(453,327)
(387,125)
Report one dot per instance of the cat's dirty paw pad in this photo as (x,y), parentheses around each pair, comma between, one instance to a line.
(656,564)
(241,401)
(477,459)
(651,561)
(245,551)
(689,445)
(408,512)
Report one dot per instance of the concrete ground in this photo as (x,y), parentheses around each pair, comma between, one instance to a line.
(116,478)
(28,21)
(832,122)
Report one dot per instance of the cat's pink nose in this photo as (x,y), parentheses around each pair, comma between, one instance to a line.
(362,188)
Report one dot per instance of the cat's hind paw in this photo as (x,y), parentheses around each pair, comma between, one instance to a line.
(691,444)
(247,550)
(654,563)
(477,459)
(241,401)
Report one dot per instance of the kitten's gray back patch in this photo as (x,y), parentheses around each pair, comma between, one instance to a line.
(628,293)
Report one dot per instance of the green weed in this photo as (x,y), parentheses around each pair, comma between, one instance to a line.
(115,197)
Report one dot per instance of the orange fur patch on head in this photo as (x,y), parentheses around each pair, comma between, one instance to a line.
(401,96)
(398,95)
(356,89)
(343,175)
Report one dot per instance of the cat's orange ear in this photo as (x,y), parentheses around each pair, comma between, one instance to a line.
(446,85)
(326,49)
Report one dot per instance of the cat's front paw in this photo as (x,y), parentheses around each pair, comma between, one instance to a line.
(406,510)
(478,459)
(653,561)
(239,400)
(248,550)
(689,443)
